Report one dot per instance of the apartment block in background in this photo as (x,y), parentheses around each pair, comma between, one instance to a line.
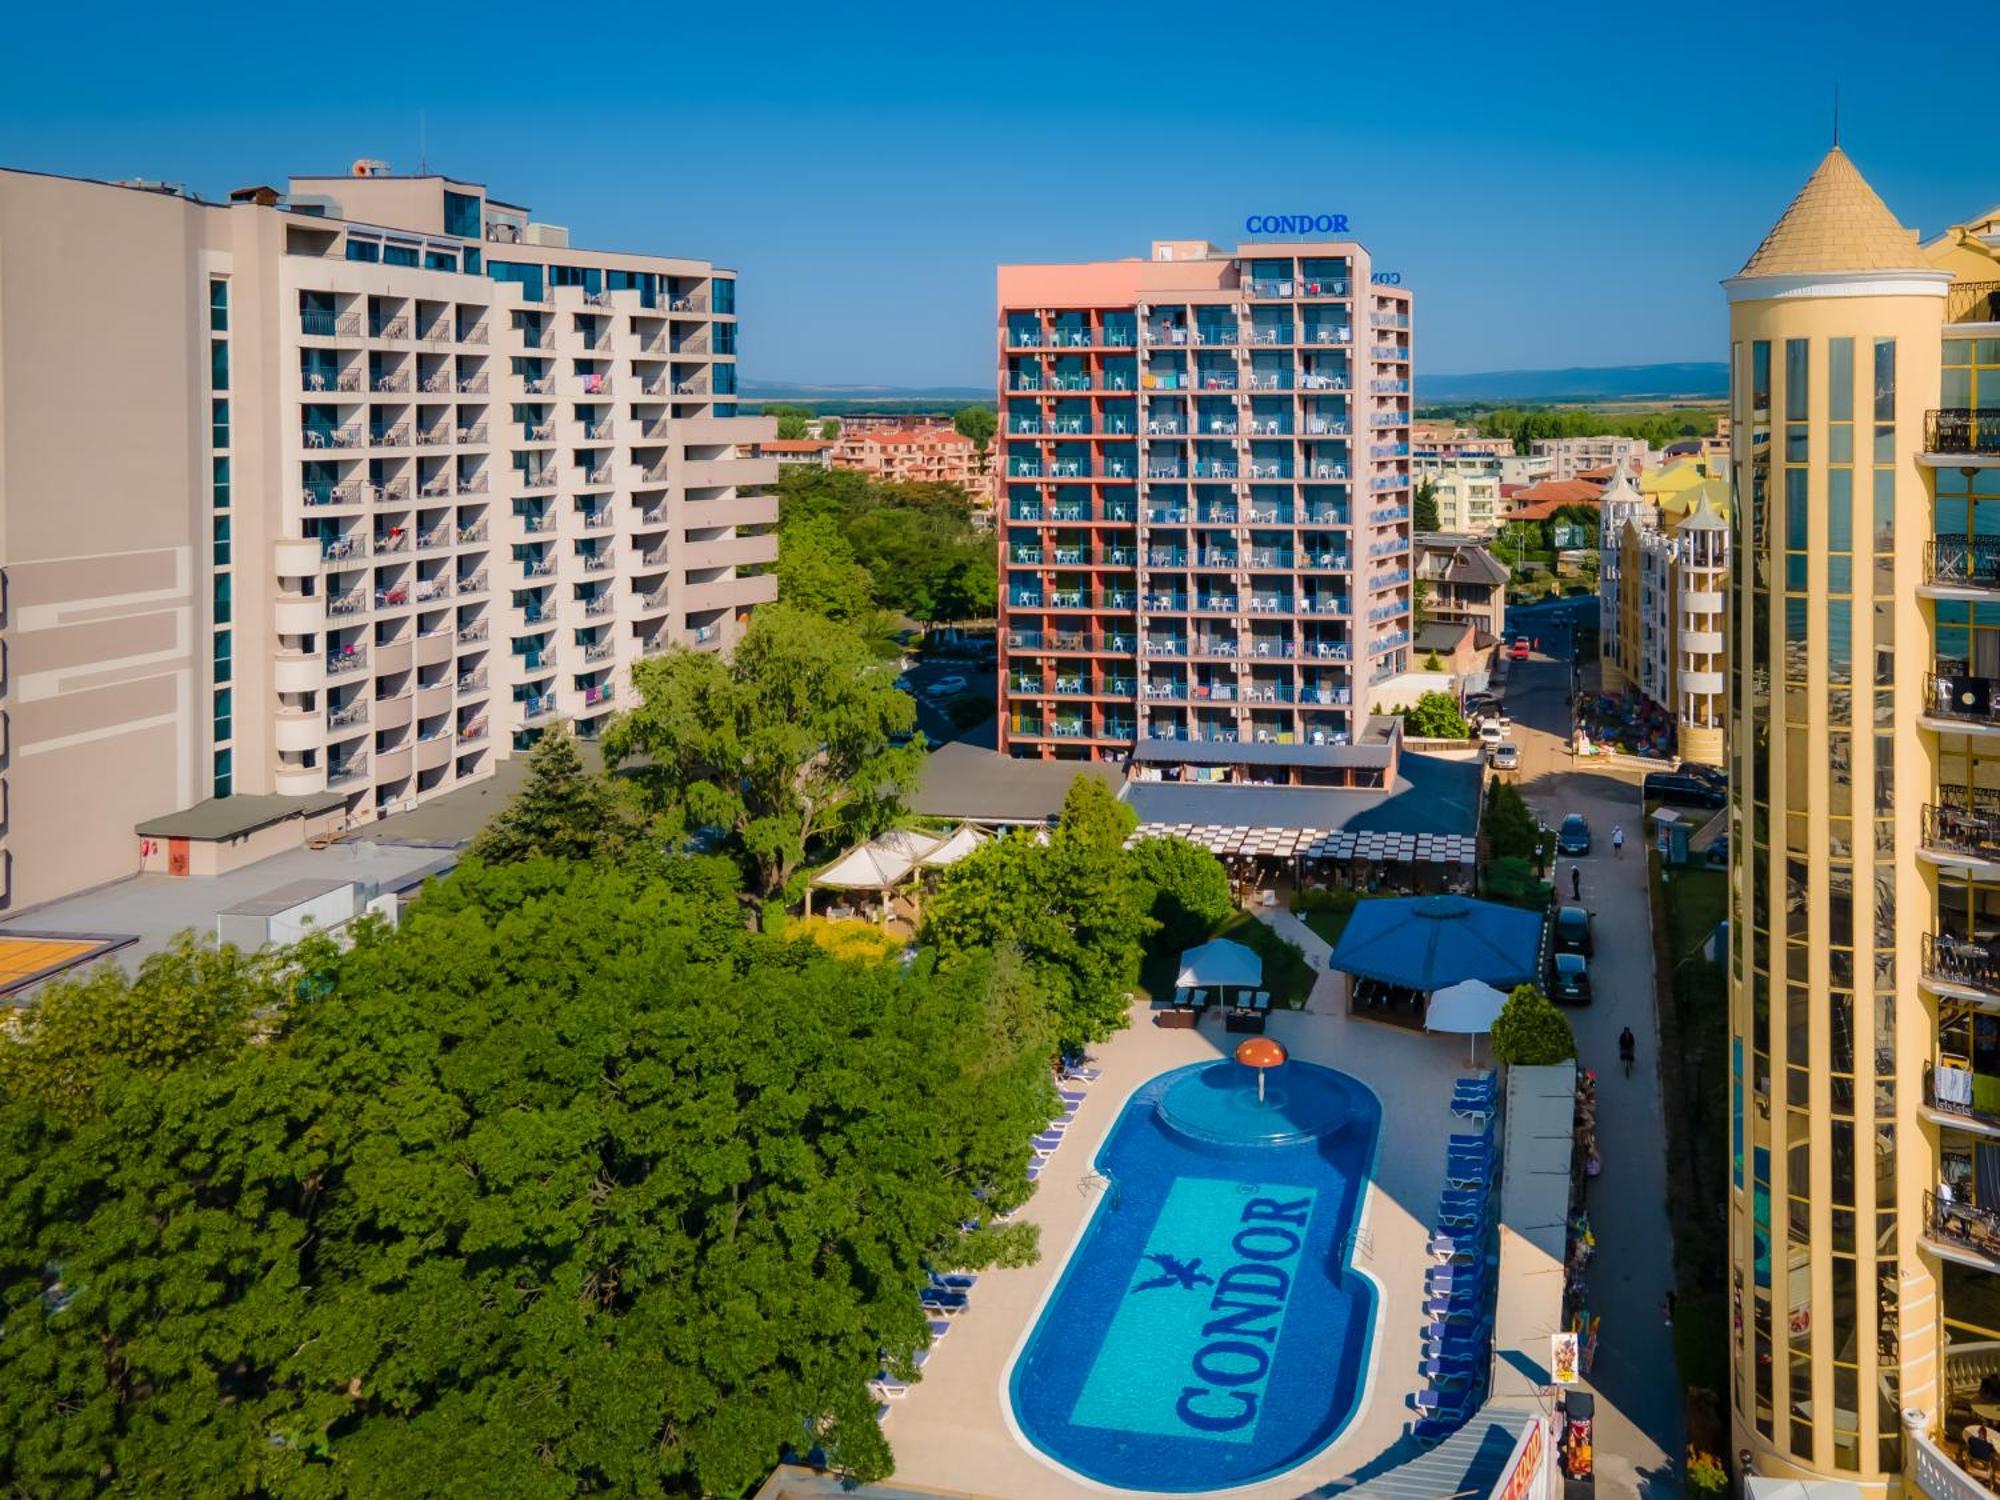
(325,498)
(1205,523)
(1571,457)
(916,452)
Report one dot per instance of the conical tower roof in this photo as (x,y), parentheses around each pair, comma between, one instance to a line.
(1620,486)
(1837,223)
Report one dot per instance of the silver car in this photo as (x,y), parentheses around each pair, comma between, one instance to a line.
(1505,756)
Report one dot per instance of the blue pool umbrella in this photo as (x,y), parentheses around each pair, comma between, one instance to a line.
(1429,943)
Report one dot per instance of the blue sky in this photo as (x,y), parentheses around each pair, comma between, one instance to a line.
(1558,187)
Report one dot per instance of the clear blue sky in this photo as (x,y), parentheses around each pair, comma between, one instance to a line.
(1559,184)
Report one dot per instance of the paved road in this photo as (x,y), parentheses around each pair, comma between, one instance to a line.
(1638,1396)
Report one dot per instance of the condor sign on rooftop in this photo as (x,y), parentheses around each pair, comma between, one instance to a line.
(1295,224)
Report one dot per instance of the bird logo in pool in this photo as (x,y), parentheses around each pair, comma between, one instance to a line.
(1185,1274)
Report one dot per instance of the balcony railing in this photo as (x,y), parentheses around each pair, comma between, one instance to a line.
(1969,561)
(351,769)
(1962,1224)
(1963,828)
(1953,695)
(1973,302)
(1961,430)
(1961,962)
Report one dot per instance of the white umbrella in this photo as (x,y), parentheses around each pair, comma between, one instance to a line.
(1220,964)
(1470,1006)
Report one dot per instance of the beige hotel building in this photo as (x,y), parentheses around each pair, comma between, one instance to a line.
(1865,938)
(336,495)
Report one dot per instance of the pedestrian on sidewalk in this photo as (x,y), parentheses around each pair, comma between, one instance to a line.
(1576,882)
(1667,1308)
(1618,841)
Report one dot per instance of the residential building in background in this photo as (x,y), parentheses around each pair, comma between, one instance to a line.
(1668,636)
(1468,497)
(1206,523)
(916,453)
(317,501)
(1620,503)
(1570,456)
(1464,583)
(1436,442)
(799,453)
(1864,1221)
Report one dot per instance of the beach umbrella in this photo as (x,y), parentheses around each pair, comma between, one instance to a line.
(1261,1053)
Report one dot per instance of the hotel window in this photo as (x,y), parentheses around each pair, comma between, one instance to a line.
(222,720)
(440,260)
(223,663)
(725,295)
(527,277)
(222,773)
(220,481)
(222,593)
(220,421)
(220,525)
(218,305)
(399,255)
(1760,381)
(368,250)
(1885,401)
(1971,375)
(1797,390)
(461,215)
(218,364)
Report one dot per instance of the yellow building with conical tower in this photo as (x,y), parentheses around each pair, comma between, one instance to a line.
(1864,971)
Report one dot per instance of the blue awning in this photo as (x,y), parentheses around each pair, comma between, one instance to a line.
(1427,943)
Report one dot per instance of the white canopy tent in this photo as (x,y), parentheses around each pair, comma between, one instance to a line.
(1220,964)
(888,859)
(1471,1006)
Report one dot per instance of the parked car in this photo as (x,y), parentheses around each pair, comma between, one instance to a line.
(1478,703)
(1717,854)
(1506,756)
(1489,732)
(944,687)
(1573,930)
(1680,789)
(1519,650)
(1493,716)
(1574,835)
(1569,979)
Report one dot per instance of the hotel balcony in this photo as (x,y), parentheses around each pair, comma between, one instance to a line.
(1955,434)
(1973,302)
(1958,703)
(1962,834)
(1961,969)
(1960,566)
(1962,1233)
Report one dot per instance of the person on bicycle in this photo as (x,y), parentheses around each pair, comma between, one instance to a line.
(1625,1048)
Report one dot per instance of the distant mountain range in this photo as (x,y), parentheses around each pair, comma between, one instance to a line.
(1700,380)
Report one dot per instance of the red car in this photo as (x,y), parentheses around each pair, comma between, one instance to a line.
(1520,648)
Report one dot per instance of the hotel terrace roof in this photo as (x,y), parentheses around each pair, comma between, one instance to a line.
(1836,223)
(942,432)
(795,445)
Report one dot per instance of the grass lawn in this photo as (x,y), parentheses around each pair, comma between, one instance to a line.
(1287,975)
(1328,924)
(1696,899)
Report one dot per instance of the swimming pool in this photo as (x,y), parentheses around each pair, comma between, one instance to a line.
(1208,1330)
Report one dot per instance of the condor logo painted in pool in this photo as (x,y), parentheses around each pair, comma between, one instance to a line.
(1190,1350)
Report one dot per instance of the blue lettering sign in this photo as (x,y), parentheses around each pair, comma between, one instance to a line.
(1295,224)
(1189,1351)
(1387,278)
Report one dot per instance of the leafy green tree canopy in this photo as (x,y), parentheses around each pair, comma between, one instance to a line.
(563,810)
(977,424)
(1190,889)
(1436,717)
(786,744)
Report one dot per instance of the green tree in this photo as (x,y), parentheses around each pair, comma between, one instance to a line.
(817,570)
(924,556)
(829,430)
(792,420)
(786,744)
(1530,1031)
(978,424)
(1420,603)
(1424,506)
(1092,813)
(1073,908)
(562,811)
(1512,829)
(1436,717)
(561,1188)
(1189,888)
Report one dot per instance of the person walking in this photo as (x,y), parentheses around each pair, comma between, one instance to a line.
(1626,1046)
(1618,841)
(1576,882)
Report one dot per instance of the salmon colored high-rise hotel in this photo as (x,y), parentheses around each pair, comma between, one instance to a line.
(1205,517)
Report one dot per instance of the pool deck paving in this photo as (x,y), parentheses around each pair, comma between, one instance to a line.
(954,1432)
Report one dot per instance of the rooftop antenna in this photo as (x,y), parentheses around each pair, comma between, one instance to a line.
(424,165)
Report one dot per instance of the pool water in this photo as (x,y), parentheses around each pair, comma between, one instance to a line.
(1208,1331)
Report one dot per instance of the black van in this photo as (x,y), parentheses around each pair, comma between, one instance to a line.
(1677,789)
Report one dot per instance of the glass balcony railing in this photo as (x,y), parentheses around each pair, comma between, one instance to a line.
(1964,1225)
(1963,825)
(1962,962)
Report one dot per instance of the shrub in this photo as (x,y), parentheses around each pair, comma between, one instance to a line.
(1531,1032)
(1436,717)
(1339,902)
(1512,879)
(1511,826)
